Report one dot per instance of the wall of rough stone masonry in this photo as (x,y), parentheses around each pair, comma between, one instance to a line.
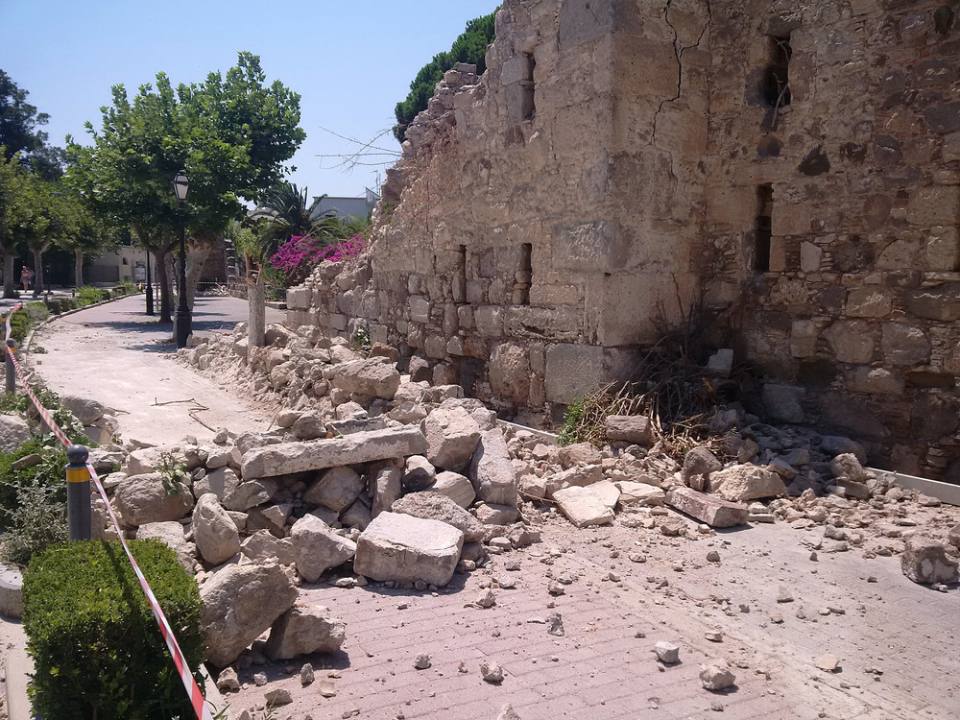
(856,314)
(610,167)
(540,214)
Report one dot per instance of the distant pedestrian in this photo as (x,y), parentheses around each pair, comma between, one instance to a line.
(26,278)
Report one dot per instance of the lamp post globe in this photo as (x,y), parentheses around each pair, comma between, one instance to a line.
(183,319)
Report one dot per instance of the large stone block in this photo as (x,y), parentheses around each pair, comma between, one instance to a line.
(305,629)
(318,548)
(708,509)
(572,372)
(452,436)
(936,303)
(145,498)
(214,531)
(239,603)
(362,447)
(635,429)
(406,549)
(509,371)
(584,507)
(431,505)
(373,377)
(904,344)
(589,247)
(739,483)
(924,561)
(492,471)
(851,340)
(298,298)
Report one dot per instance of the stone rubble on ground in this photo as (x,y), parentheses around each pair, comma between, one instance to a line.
(372,478)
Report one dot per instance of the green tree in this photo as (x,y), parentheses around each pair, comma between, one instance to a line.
(21,131)
(14,210)
(231,134)
(469,47)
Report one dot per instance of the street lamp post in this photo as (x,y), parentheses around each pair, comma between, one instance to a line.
(184,320)
(149,289)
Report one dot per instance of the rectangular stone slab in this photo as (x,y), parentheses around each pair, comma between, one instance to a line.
(361,447)
(406,549)
(708,509)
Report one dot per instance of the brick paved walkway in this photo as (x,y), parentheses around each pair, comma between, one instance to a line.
(601,669)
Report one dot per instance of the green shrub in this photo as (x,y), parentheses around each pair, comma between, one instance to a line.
(96,648)
(38,521)
(21,322)
(569,433)
(47,474)
(126,287)
(88,295)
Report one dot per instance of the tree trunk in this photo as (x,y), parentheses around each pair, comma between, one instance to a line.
(37,273)
(257,314)
(196,259)
(160,263)
(9,269)
(78,267)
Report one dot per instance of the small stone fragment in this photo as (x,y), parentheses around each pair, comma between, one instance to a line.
(227,681)
(277,697)
(492,673)
(422,662)
(306,674)
(260,679)
(828,663)
(667,652)
(555,624)
(716,677)
(508,713)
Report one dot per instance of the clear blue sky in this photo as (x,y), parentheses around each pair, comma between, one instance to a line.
(351,61)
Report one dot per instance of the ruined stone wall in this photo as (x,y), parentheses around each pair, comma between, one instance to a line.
(855,313)
(541,213)
(620,160)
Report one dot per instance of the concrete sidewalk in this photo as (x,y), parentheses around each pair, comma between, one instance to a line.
(118,356)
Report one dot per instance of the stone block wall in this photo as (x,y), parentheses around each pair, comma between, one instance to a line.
(854,311)
(794,164)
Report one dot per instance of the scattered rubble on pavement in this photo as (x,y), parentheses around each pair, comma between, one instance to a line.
(372,480)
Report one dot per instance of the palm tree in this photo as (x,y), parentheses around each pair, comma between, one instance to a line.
(290,214)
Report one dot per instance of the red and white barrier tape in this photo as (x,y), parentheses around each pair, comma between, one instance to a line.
(201,708)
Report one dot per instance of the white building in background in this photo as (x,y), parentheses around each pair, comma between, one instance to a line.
(358,208)
(125,263)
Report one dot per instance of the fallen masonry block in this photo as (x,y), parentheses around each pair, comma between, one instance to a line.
(239,603)
(11,592)
(362,447)
(406,549)
(305,629)
(924,561)
(583,507)
(708,509)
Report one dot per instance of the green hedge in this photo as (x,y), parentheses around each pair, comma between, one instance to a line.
(97,650)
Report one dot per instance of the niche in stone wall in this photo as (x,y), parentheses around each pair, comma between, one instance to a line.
(460,278)
(523,276)
(529,101)
(776,76)
(763,228)
(517,78)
